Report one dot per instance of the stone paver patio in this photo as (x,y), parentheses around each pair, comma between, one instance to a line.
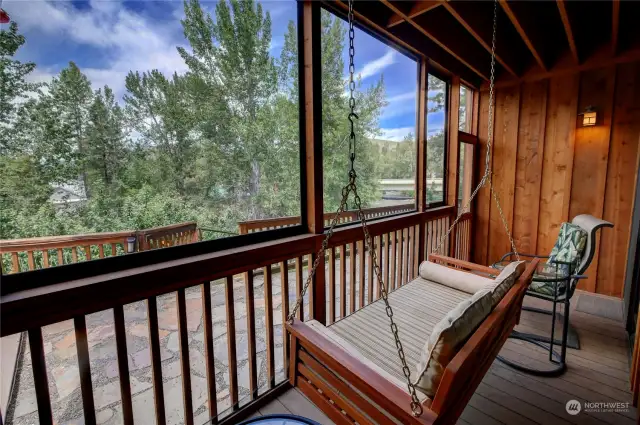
(63,375)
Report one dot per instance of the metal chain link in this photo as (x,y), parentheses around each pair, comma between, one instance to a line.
(487,176)
(416,407)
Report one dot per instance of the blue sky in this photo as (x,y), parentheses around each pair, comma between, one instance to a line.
(107,39)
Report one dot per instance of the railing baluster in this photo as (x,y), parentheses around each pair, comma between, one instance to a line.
(393,261)
(381,251)
(284,281)
(376,242)
(156,367)
(60,257)
(361,255)
(411,253)
(407,254)
(86,388)
(30,261)
(387,263)
(400,243)
(123,364)
(268,321)
(343,281)
(74,254)
(231,342)
(184,356)
(205,290)
(310,260)
(15,264)
(300,314)
(416,249)
(352,277)
(101,250)
(113,249)
(87,252)
(251,334)
(45,258)
(332,285)
(39,369)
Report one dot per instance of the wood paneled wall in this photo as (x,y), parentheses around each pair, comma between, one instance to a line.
(548,169)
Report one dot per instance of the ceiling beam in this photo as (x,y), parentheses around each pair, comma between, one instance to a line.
(518,25)
(455,53)
(469,27)
(562,8)
(418,8)
(615,26)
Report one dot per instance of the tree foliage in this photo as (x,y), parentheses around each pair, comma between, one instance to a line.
(217,144)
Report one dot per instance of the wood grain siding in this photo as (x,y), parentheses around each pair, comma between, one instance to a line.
(505,146)
(529,164)
(483,199)
(557,165)
(561,168)
(621,175)
(592,153)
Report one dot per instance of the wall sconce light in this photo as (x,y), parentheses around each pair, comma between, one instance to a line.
(131,244)
(589,117)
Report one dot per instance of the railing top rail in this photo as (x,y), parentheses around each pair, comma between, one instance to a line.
(51,242)
(288,220)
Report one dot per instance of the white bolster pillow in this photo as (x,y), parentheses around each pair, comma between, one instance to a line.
(456,279)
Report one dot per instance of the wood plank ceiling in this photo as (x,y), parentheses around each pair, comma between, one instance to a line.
(532,37)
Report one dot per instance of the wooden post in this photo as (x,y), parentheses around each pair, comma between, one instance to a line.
(453,155)
(311,89)
(421,160)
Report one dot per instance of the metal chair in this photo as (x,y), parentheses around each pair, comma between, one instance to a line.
(559,280)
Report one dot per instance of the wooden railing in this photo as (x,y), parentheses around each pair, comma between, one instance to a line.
(165,236)
(35,253)
(463,237)
(251,226)
(18,255)
(251,287)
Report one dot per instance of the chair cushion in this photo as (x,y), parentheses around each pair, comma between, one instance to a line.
(447,337)
(456,279)
(504,281)
(569,246)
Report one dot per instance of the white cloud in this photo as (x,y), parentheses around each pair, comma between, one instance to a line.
(375,66)
(396,134)
(400,104)
(127,40)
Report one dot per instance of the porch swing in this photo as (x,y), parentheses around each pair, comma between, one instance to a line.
(460,310)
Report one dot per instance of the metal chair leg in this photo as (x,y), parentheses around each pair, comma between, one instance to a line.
(571,330)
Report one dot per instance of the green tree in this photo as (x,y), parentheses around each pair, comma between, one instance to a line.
(158,109)
(105,138)
(14,87)
(233,52)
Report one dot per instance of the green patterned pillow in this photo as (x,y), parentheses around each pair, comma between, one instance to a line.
(569,246)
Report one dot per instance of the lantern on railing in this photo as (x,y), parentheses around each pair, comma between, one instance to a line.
(131,244)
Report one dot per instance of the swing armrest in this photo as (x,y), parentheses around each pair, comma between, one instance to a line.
(509,254)
(444,260)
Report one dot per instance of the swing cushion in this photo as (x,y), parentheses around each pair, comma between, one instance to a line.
(456,279)
(448,336)
(504,281)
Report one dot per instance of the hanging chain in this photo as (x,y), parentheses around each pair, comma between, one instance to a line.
(416,407)
(487,176)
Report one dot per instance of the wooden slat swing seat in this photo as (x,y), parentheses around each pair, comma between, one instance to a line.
(350,369)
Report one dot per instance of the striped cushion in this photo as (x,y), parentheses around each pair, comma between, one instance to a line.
(417,307)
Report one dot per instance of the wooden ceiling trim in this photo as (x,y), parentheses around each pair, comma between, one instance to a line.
(615,26)
(458,55)
(562,8)
(419,45)
(516,23)
(451,8)
(417,9)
